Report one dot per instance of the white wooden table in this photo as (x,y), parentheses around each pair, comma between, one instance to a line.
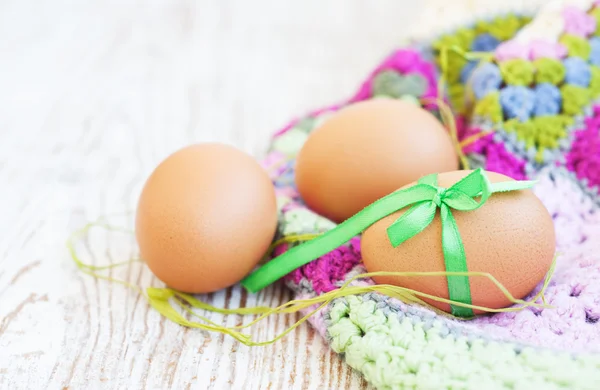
(93,94)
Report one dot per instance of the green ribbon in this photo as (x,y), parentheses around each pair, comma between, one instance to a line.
(425,198)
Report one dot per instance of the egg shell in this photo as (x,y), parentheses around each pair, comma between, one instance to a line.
(367,150)
(205,217)
(511,237)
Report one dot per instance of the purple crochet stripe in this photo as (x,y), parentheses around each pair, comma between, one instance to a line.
(584,157)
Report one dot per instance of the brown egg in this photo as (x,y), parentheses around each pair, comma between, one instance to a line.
(205,218)
(366,151)
(511,236)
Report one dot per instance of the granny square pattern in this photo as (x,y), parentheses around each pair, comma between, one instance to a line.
(530,109)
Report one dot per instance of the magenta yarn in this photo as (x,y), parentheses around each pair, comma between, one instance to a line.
(584,157)
(328,269)
(497,158)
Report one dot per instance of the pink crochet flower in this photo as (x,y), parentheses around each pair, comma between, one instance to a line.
(512,50)
(543,49)
(578,22)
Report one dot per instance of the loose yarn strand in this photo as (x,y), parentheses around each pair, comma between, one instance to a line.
(90,269)
(450,123)
(166,300)
(445,110)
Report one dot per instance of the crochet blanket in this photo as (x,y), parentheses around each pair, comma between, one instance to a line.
(533,106)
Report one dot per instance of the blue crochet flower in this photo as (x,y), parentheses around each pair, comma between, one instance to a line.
(485,42)
(466,71)
(577,72)
(548,100)
(595,51)
(517,102)
(486,78)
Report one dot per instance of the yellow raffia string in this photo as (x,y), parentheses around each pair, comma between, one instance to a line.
(91,269)
(481,57)
(450,123)
(162,299)
(293,238)
(472,138)
(445,111)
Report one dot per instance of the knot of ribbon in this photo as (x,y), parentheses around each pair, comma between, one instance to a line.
(425,197)
(460,196)
(437,199)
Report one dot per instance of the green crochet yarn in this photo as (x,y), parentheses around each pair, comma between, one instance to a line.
(596,14)
(392,84)
(466,36)
(595,81)
(575,99)
(525,20)
(461,38)
(489,107)
(517,72)
(501,27)
(549,71)
(576,46)
(455,65)
(526,131)
(456,93)
(551,129)
(393,351)
(541,133)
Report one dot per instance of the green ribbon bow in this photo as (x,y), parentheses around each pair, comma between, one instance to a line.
(425,198)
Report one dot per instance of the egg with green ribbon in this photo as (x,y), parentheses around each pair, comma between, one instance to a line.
(478,240)
(462,223)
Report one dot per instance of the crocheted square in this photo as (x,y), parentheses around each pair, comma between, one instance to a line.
(535,97)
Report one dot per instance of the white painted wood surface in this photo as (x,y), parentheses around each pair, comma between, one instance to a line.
(93,94)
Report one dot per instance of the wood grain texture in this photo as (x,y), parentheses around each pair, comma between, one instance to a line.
(92,96)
